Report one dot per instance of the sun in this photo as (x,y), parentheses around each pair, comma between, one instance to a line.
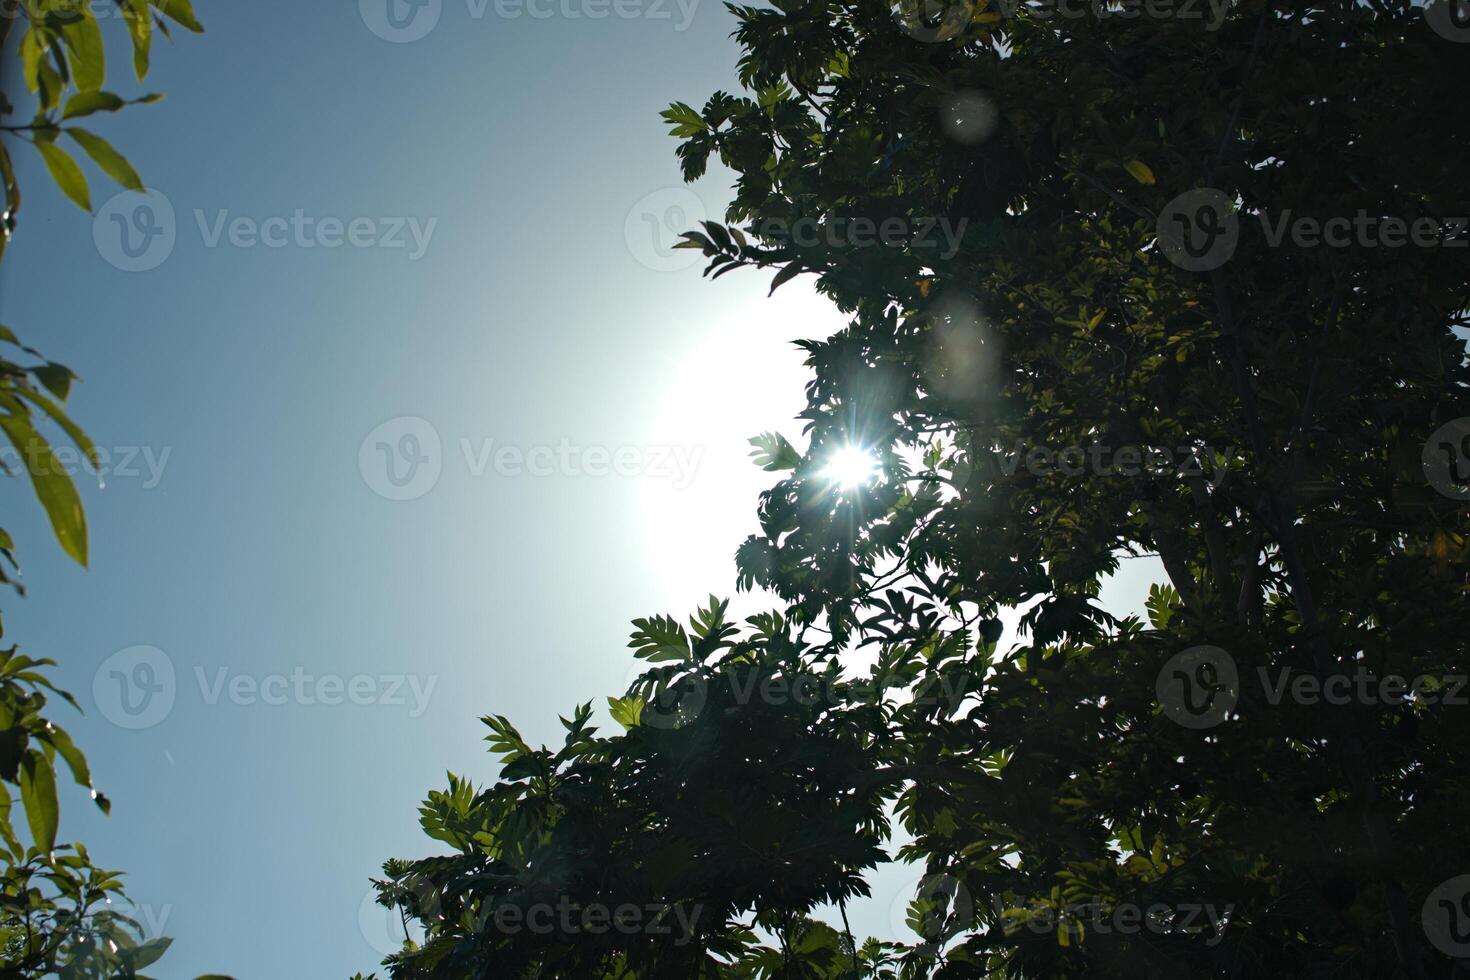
(851,466)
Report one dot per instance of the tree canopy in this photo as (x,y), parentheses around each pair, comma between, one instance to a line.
(1133,345)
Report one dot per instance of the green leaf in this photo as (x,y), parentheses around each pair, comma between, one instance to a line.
(56,377)
(66,173)
(73,431)
(38,794)
(113,163)
(789,272)
(1161,602)
(149,952)
(181,11)
(86,103)
(1140,172)
(626,711)
(54,488)
(659,639)
(140,31)
(58,739)
(990,632)
(684,119)
(87,54)
(773,453)
(31,54)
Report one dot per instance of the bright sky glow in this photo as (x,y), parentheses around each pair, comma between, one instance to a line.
(851,466)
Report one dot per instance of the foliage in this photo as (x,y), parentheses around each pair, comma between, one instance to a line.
(1299,386)
(57,910)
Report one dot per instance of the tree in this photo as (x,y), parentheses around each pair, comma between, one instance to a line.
(57,916)
(1171,322)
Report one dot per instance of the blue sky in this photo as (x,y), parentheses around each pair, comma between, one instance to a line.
(410,411)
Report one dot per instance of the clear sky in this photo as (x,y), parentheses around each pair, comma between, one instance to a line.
(416,253)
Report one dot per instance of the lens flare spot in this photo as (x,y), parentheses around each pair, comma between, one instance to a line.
(851,467)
